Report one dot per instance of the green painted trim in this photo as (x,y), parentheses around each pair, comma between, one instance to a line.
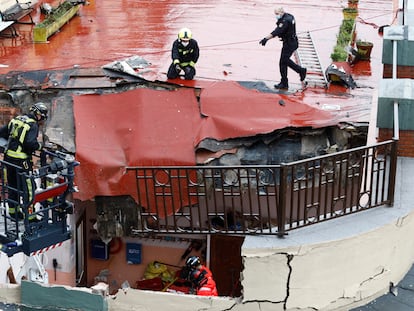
(39,296)
(402,92)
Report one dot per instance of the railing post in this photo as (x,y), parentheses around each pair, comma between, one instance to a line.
(281,207)
(393,173)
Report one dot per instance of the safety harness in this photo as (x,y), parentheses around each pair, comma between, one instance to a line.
(18,128)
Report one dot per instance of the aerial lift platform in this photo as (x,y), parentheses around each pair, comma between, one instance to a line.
(44,209)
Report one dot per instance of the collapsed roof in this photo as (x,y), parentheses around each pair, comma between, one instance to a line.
(120,119)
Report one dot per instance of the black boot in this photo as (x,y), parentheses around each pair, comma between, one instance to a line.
(281,86)
(302,74)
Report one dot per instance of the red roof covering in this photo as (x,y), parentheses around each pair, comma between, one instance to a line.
(158,127)
(152,128)
(233,111)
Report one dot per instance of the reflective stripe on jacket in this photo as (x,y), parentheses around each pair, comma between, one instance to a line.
(207,285)
(21,130)
(185,55)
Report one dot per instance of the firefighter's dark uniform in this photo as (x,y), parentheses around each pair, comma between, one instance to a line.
(286,31)
(186,57)
(21,133)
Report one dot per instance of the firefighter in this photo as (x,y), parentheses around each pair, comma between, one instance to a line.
(200,277)
(21,133)
(286,31)
(184,53)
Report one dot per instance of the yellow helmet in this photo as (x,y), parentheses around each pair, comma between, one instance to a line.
(185,34)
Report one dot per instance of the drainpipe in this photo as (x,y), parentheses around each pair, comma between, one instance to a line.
(208,250)
(394,77)
(396,122)
(396,137)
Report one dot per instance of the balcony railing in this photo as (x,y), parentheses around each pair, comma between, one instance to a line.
(264,199)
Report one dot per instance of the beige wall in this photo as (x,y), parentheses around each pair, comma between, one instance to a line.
(334,273)
(342,271)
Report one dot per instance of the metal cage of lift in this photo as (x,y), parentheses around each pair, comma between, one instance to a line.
(43,204)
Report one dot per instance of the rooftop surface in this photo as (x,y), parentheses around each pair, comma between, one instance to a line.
(228,33)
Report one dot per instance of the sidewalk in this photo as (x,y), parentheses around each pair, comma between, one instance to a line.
(400,297)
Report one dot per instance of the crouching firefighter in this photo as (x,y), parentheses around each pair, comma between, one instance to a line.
(184,54)
(22,135)
(201,278)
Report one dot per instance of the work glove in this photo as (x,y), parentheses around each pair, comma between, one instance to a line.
(177,68)
(187,70)
(263,41)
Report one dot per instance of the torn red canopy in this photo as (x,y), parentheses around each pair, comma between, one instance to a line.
(233,111)
(148,127)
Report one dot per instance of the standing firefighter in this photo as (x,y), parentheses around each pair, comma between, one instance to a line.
(200,277)
(21,133)
(184,53)
(286,31)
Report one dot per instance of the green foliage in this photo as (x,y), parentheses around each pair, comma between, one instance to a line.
(344,37)
(339,54)
(350,10)
(345,32)
(364,43)
(347,26)
(56,14)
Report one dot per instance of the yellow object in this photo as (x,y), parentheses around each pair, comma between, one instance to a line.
(169,284)
(42,32)
(156,269)
(185,34)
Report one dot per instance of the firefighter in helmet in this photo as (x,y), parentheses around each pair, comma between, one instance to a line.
(200,277)
(21,134)
(184,53)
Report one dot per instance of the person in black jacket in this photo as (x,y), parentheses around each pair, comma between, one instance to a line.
(286,31)
(184,53)
(21,134)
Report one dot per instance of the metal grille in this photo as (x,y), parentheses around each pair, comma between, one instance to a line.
(269,199)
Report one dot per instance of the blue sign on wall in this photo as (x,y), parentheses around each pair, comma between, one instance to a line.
(99,250)
(133,253)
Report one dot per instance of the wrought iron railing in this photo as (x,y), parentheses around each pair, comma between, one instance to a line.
(265,199)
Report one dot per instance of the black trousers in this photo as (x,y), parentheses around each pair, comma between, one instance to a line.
(289,46)
(189,72)
(15,181)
